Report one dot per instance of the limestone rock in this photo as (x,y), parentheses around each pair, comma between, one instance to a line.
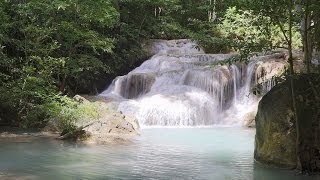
(99,122)
(80,99)
(275,126)
(250,119)
(110,126)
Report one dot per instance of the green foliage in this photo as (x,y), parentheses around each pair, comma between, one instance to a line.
(256,31)
(53,48)
(212,44)
(168,28)
(60,108)
(279,13)
(69,32)
(65,113)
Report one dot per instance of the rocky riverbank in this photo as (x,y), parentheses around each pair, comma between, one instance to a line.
(106,126)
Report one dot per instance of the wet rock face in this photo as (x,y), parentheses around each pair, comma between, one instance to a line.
(275,141)
(275,135)
(134,85)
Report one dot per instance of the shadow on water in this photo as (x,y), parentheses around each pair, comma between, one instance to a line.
(262,172)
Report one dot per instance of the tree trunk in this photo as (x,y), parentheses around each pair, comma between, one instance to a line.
(316,20)
(211,11)
(307,42)
(292,85)
(62,85)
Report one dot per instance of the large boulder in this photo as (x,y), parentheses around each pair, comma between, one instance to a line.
(275,141)
(97,122)
(275,133)
(112,127)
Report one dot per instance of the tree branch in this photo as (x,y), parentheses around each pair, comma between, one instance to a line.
(282,30)
(69,134)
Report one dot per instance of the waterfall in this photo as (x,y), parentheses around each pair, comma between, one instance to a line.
(182,86)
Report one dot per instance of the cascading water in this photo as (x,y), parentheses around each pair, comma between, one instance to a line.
(179,87)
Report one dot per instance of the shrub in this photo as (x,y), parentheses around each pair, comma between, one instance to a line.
(243,27)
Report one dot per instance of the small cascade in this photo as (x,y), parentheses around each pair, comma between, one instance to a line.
(236,78)
(216,82)
(133,85)
(179,86)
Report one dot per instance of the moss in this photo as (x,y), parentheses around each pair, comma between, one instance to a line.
(66,114)
(275,142)
(275,139)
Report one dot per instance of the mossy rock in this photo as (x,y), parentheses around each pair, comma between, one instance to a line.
(275,141)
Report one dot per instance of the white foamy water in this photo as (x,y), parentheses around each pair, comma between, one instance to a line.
(179,87)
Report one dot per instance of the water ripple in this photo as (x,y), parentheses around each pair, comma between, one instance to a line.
(199,153)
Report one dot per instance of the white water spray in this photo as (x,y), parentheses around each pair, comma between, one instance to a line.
(178,87)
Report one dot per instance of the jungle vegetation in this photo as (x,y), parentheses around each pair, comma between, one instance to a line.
(51,50)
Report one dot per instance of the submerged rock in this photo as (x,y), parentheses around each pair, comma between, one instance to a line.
(275,141)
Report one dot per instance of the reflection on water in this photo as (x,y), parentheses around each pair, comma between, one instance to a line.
(194,153)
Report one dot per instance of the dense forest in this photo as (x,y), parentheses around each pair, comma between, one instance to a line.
(54,49)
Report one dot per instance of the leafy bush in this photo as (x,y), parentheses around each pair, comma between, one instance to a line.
(168,28)
(212,44)
(62,112)
(241,31)
(244,27)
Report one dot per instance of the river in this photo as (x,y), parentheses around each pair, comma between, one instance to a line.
(159,153)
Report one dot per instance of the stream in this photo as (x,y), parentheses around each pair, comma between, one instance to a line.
(176,96)
(159,153)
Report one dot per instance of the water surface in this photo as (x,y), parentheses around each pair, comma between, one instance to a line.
(185,153)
